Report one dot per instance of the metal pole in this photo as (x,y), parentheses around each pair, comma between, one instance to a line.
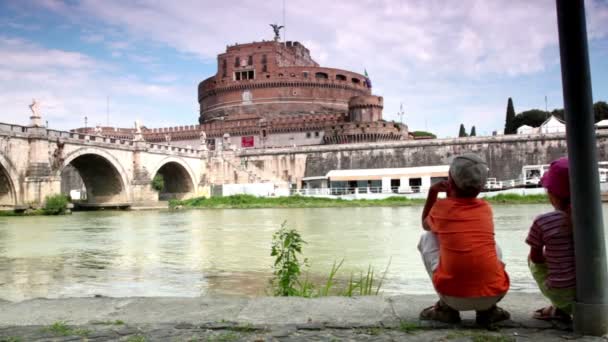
(591,307)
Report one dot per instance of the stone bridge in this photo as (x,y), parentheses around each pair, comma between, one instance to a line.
(34,161)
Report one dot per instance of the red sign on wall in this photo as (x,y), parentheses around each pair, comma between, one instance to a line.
(247,141)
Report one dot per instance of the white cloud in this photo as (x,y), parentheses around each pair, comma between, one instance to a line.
(71,85)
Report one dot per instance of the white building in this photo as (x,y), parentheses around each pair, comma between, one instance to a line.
(525,129)
(553,125)
(602,124)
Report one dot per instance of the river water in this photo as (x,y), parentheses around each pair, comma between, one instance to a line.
(223,252)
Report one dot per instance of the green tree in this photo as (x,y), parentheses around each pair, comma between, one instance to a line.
(158,182)
(509,124)
(55,204)
(600,111)
(423,134)
(473,132)
(462,132)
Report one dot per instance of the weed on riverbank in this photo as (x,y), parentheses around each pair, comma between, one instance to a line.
(288,266)
(250,202)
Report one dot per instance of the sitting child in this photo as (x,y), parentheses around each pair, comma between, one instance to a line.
(459,250)
(551,259)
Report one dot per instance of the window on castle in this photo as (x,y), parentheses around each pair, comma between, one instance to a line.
(341,77)
(321,75)
(250,60)
(264,68)
(316,134)
(224,68)
(356,80)
(307,134)
(244,75)
(237,62)
(264,60)
(305,74)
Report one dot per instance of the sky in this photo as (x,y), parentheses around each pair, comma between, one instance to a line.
(445,62)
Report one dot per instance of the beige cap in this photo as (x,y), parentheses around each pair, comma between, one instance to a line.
(469,171)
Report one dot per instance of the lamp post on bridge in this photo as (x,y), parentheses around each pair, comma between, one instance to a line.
(591,307)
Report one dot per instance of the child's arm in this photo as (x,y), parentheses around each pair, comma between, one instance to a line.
(537,256)
(431,199)
(535,240)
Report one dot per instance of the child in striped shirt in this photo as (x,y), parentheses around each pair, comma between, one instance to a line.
(551,259)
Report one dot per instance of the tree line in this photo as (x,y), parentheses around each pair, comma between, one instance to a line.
(462,132)
(536,117)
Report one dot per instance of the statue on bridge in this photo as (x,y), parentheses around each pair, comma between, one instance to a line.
(36,118)
(58,157)
(203,138)
(137,136)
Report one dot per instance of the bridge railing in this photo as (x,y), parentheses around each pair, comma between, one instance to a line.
(5,127)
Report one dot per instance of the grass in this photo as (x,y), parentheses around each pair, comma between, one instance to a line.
(36,212)
(224,337)
(479,336)
(409,327)
(62,329)
(136,338)
(518,199)
(11,339)
(249,201)
(252,202)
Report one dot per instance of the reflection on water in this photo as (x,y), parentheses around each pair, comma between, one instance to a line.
(192,253)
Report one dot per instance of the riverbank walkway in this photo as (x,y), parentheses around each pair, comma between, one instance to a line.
(377,318)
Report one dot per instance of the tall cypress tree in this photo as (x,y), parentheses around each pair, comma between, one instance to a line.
(509,121)
(473,132)
(462,132)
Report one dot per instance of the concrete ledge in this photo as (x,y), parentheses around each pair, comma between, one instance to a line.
(328,311)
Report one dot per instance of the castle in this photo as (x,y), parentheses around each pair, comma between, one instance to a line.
(273,94)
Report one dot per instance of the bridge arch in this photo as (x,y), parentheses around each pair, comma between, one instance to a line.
(9,184)
(105,179)
(179,178)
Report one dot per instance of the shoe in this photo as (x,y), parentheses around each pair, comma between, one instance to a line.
(493,315)
(440,312)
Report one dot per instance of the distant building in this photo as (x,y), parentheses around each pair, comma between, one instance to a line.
(551,125)
(525,129)
(273,94)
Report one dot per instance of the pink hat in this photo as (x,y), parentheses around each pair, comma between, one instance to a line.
(556,180)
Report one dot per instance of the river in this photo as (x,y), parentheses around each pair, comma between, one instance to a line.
(223,252)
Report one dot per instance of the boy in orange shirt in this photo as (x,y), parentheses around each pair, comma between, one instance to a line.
(459,250)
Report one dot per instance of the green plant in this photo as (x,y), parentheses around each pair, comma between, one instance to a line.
(286,246)
(55,204)
(136,338)
(408,327)
(158,182)
(478,336)
(60,328)
(11,339)
(365,285)
(224,337)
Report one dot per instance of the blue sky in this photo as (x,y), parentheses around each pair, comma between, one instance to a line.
(446,64)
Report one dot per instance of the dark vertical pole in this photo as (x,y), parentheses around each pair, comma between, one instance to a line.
(591,308)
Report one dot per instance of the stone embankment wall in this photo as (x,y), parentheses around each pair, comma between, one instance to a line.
(506,155)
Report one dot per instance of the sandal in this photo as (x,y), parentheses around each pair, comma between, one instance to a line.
(440,312)
(493,315)
(551,313)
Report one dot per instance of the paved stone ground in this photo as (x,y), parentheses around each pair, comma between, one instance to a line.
(262,319)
